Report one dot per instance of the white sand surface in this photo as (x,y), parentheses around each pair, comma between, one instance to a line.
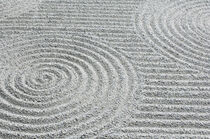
(104,69)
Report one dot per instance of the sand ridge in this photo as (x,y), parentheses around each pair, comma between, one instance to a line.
(178,29)
(105,69)
(74,85)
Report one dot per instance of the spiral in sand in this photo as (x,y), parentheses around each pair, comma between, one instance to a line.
(62,85)
(179,29)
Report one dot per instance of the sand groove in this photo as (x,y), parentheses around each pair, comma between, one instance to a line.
(56,86)
(172,100)
(178,29)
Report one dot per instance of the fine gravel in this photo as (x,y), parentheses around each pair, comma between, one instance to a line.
(105,69)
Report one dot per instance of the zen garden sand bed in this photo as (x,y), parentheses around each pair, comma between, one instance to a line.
(104,69)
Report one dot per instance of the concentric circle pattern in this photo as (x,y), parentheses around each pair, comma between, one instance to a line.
(57,86)
(13,8)
(179,29)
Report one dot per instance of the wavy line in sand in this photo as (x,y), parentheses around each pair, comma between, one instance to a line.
(179,29)
(58,85)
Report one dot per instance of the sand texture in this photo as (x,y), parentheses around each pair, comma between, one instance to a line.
(105,69)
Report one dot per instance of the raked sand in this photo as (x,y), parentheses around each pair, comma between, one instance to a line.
(104,69)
